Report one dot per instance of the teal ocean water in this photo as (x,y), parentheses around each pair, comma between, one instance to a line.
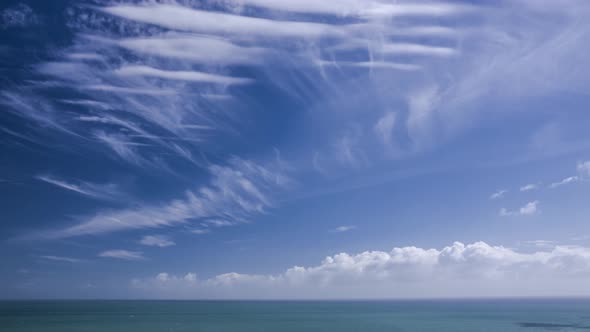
(222,316)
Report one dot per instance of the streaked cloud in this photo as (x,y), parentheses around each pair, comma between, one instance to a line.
(123,254)
(542,243)
(193,76)
(109,191)
(355,7)
(189,47)
(61,259)
(342,229)
(201,21)
(498,194)
(200,231)
(565,181)
(123,147)
(235,192)
(156,241)
(529,187)
(416,49)
(384,128)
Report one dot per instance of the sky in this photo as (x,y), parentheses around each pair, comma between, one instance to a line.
(294,149)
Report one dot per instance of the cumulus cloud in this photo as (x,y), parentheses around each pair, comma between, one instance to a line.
(156,241)
(476,269)
(123,254)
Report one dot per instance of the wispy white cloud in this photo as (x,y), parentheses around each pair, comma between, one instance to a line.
(151,82)
(416,49)
(422,116)
(397,48)
(384,128)
(193,76)
(156,241)
(218,223)
(529,187)
(18,16)
(122,146)
(200,231)
(542,243)
(235,192)
(528,209)
(584,168)
(34,108)
(565,181)
(476,269)
(354,7)
(370,65)
(498,194)
(61,259)
(342,229)
(108,191)
(133,91)
(123,254)
(201,21)
(189,47)
(348,150)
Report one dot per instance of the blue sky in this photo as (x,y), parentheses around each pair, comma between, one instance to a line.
(294,149)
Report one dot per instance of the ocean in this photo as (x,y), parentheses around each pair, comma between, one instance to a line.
(286,316)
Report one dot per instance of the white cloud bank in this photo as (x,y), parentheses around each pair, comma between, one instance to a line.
(476,269)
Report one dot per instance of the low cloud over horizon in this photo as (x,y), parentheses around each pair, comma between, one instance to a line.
(459,270)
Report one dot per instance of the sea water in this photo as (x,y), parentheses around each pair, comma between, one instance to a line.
(286,316)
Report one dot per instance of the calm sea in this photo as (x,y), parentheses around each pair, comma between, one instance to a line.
(222,316)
